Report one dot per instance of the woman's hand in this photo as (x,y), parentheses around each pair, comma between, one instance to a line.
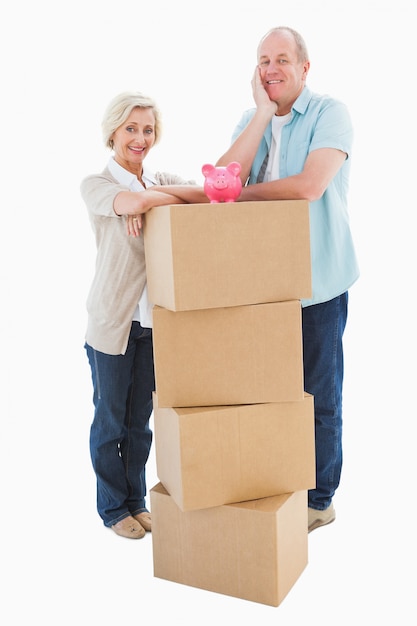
(133,204)
(134,225)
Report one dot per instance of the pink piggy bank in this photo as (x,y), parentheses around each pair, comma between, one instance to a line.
(222,184)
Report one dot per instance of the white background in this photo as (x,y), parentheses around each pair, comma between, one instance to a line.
(61,64)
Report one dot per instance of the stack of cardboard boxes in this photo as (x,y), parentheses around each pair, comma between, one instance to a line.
(234,429)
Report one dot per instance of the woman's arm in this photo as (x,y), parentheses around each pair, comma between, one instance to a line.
(185,194)
(134,204)
(138,202)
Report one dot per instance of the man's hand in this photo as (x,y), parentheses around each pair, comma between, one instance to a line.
(260,95)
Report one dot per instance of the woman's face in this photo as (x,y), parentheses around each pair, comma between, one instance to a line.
(133,139)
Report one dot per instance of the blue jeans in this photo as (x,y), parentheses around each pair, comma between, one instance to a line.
(120,436)
(323,327)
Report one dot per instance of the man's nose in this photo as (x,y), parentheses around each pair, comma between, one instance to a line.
(273,68)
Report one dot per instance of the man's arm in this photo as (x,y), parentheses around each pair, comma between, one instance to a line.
(320,168)
(244,148)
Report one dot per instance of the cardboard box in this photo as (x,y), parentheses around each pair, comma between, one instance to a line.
(239,355)
(252,550)
(209,456)
(201,256)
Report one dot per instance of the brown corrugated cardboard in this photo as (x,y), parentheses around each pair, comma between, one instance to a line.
(203,256)
(209,456)
(252,550)
(238,355)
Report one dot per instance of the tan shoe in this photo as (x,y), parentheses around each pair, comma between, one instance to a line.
(320,518)
(129,527)
(144,520)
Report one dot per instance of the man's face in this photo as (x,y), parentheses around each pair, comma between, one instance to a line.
(283,75)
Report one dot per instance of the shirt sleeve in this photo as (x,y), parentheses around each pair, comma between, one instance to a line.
(333,128)
(244,121)
(98,193)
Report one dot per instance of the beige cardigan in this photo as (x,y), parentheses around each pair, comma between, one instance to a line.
(120,271)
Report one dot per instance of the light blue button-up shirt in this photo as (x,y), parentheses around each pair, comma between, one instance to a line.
(318,122)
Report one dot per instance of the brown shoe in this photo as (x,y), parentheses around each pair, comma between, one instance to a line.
(144,520)
(320,518)
(129,527)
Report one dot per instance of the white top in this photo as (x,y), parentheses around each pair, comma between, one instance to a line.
(278,121)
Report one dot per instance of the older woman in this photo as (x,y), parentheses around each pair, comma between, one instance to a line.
(119,330)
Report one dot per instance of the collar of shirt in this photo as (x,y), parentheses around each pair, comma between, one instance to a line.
(124,177)
(302,102)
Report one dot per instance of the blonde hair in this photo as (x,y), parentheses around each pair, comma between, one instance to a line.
(119,110)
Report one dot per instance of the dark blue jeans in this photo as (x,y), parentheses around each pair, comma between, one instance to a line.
(323,327)
(120,436)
